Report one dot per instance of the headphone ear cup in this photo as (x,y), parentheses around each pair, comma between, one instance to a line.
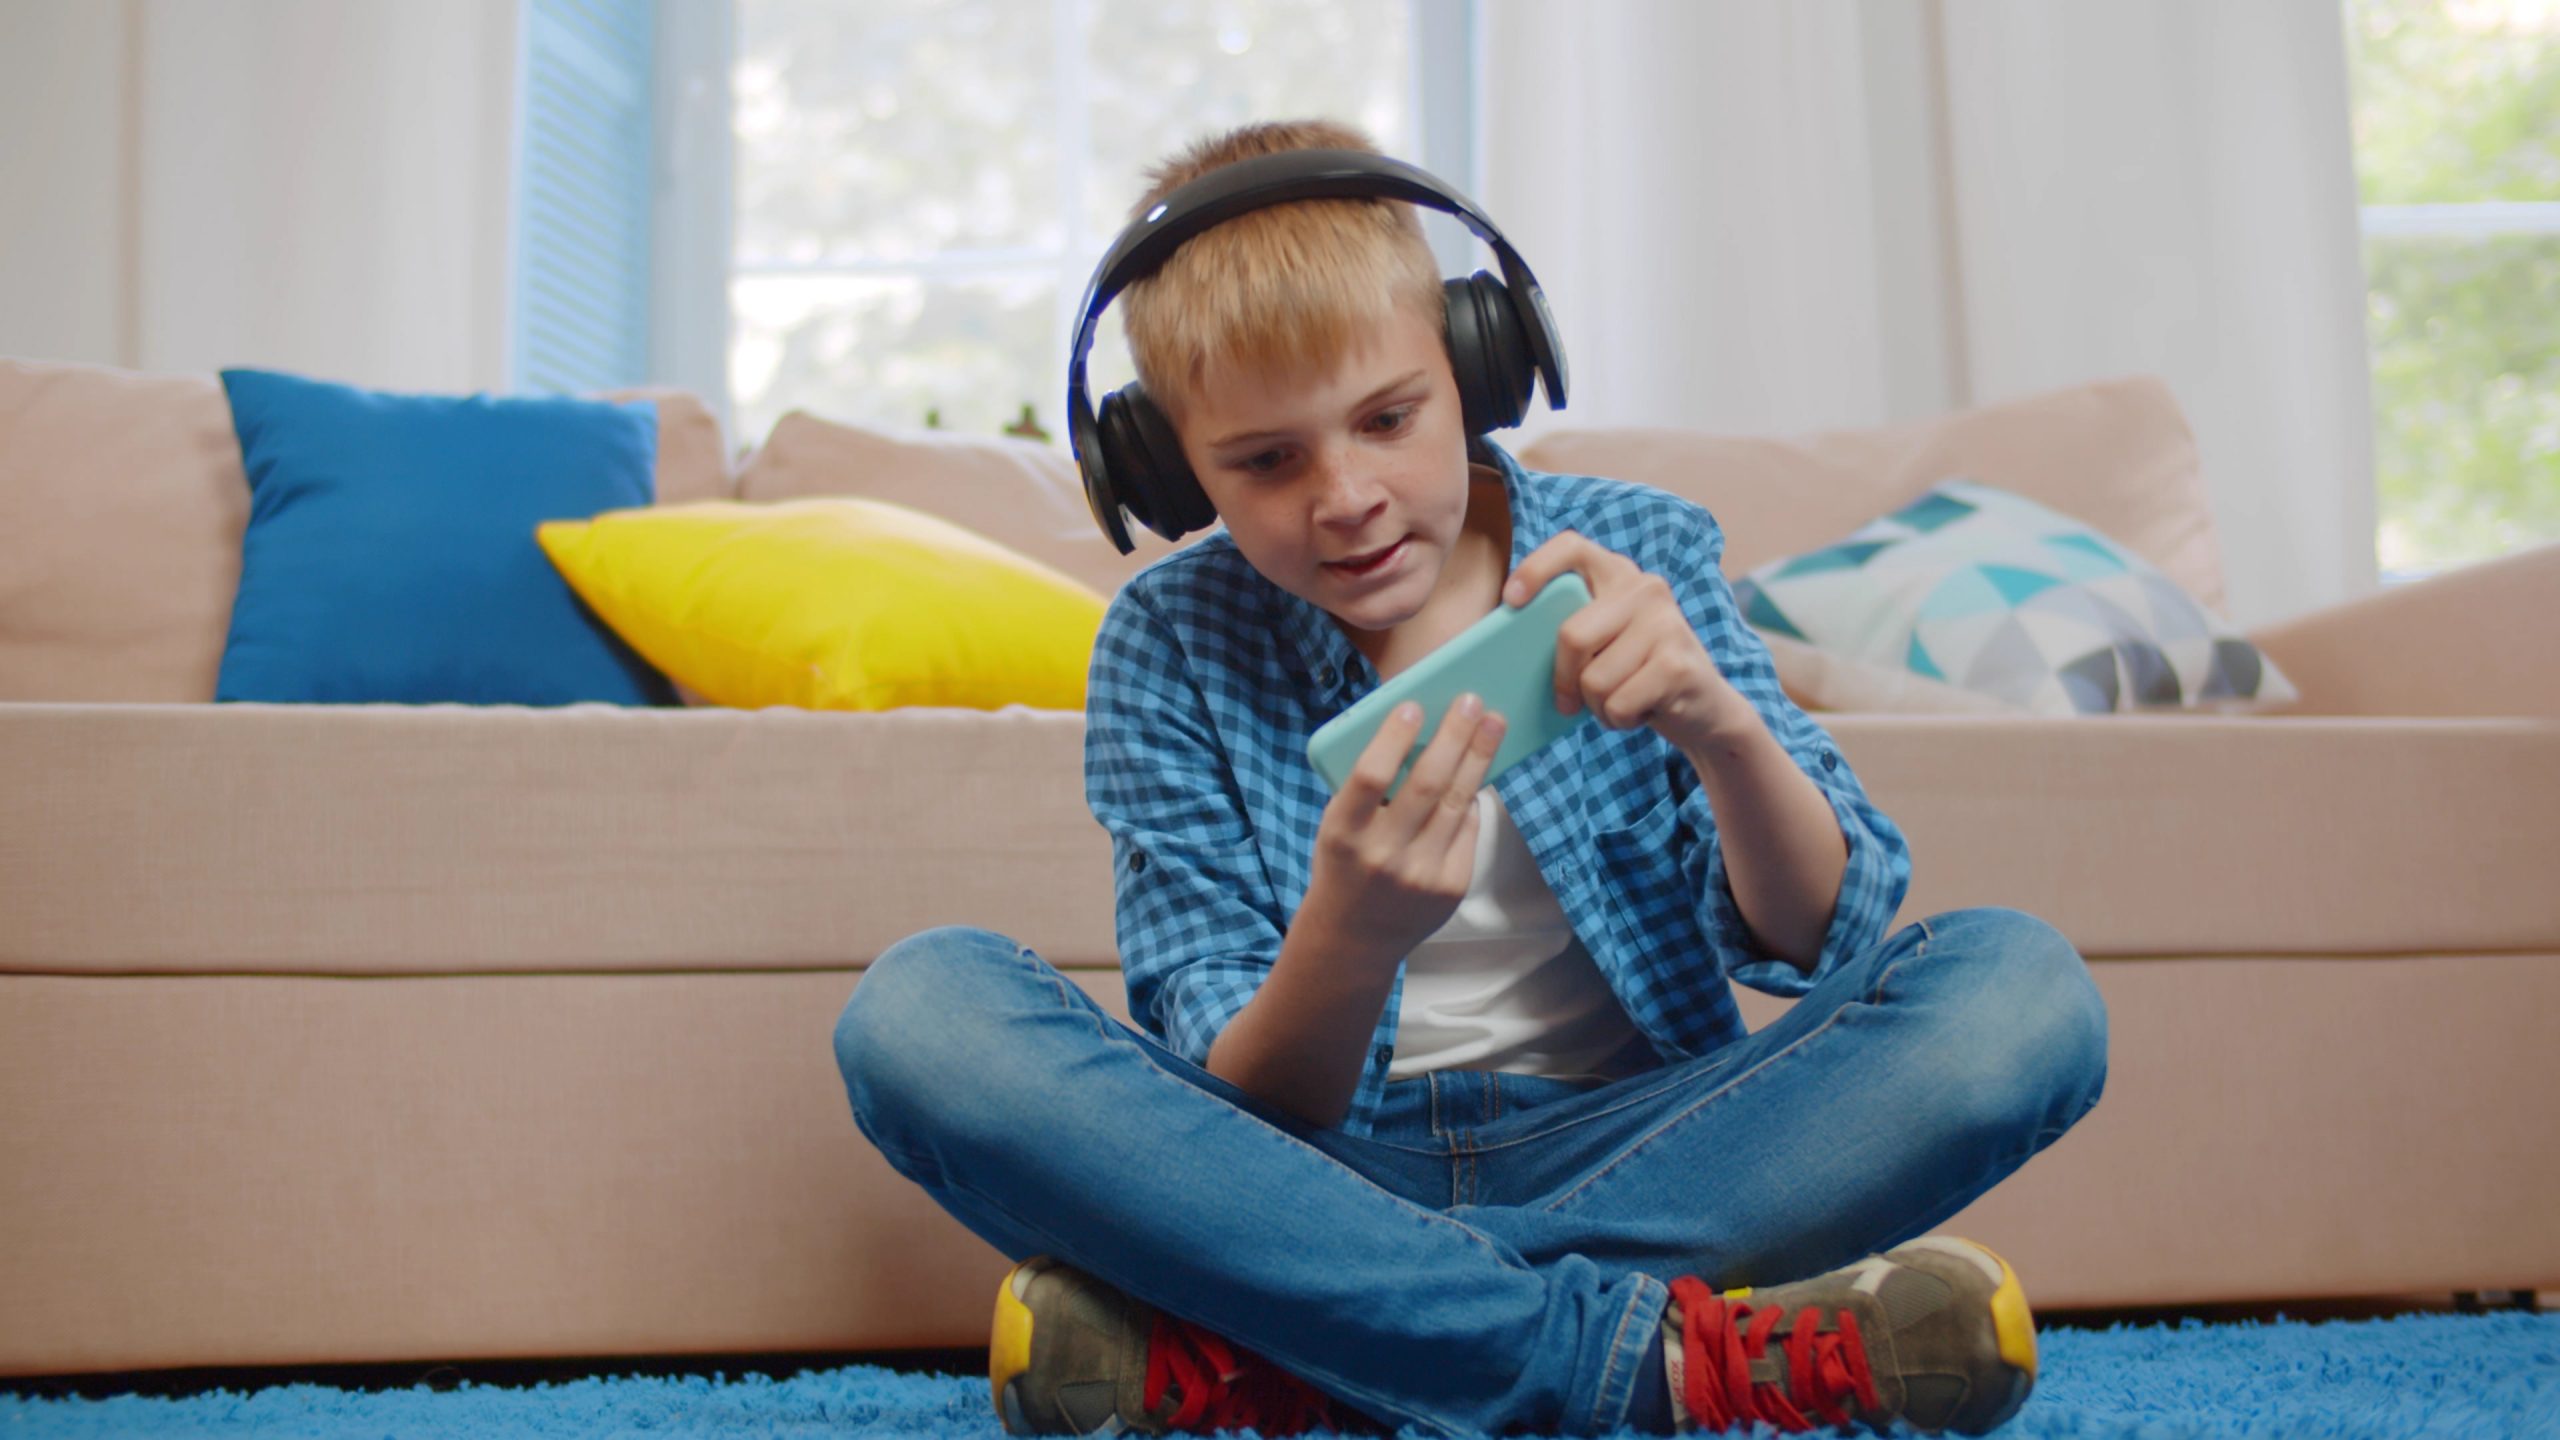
(1488,352)
(1148,471)
(1179,499)
(1124,456)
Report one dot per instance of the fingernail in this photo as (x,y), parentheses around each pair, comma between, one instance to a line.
(1469,704)
(1408,712)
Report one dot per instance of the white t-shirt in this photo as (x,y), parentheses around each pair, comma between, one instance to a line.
(1505,984)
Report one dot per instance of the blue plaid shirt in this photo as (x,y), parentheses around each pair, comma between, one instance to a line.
(1207,679)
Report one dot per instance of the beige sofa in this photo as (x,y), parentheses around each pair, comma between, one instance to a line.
(381,1032)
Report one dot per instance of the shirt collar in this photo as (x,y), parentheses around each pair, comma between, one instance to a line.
(1327,661)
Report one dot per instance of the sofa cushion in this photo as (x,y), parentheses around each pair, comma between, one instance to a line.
(1970,593)
(693,454)
(363,839)
(831,603)
(2116,454)
(1022,494)
(390,553)
(121,507)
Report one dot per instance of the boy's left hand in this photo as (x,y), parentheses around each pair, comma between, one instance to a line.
(1630,655)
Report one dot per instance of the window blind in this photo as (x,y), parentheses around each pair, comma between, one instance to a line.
(585,141)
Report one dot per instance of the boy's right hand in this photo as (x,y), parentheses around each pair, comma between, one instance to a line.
(1391,871)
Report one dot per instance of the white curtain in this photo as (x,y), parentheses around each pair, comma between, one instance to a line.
(310,185)
(1780,215)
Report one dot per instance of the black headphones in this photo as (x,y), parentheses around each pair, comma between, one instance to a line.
(1501,338)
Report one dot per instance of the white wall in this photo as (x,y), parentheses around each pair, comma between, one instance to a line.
(1792,215)
(64,249)
(1685,209)
(302,184)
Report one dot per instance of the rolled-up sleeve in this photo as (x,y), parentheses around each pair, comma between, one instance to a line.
(1193,913)
(1879,866)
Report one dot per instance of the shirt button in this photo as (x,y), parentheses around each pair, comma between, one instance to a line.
(1137,861)
(1830,761)
(1325,676)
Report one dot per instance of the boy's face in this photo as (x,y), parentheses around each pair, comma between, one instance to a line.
(1314,468)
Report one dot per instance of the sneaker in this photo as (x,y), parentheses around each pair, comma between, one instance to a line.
(1074,1356)
(1935,1332)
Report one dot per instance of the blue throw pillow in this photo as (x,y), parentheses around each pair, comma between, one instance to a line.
(390,554)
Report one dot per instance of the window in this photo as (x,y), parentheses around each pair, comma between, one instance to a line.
(2457,144)
(921,189)
(581,267)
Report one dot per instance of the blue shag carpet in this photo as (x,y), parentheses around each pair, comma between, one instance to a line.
(2413,1375)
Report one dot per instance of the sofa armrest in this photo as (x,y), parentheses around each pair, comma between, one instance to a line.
(2481,640)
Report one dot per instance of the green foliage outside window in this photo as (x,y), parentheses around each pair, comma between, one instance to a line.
(2459,103)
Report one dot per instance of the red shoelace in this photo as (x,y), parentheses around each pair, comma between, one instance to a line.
(1720,1338)
(1229,1385)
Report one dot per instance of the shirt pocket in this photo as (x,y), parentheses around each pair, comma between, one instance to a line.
(1637,868)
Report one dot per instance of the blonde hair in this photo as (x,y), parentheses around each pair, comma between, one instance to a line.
(1285,287)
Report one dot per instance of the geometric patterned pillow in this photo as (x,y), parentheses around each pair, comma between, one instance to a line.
(2023,609)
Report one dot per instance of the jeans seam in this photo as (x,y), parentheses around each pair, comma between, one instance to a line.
(1639,1097)
(900,1159)
(1876,996)
(1660,1074)
(1647,1093)
(1058,983)
(1605,1416)
(1717,1094)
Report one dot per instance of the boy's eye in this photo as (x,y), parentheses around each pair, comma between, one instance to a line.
(1263,462)
(1387,422)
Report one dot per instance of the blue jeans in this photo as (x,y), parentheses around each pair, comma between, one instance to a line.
(1499,1254)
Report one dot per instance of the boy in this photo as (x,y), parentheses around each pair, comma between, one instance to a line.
(1442,1107)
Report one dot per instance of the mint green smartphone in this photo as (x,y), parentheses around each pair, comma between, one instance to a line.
(1508,658)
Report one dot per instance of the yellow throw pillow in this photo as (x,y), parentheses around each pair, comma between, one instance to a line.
(831,604)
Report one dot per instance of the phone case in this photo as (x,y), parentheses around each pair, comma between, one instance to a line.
(1508,658)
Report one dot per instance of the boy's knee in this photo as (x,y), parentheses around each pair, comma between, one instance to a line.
(2037,1029)
(2060,996)
(2027,963)
(900,993)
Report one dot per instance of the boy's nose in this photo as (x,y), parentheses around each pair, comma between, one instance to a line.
(1347,487)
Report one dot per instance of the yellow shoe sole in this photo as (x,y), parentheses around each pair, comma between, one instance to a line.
(1009,1348)
(2012,1320)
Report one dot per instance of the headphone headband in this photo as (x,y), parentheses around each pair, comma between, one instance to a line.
(1277,179)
